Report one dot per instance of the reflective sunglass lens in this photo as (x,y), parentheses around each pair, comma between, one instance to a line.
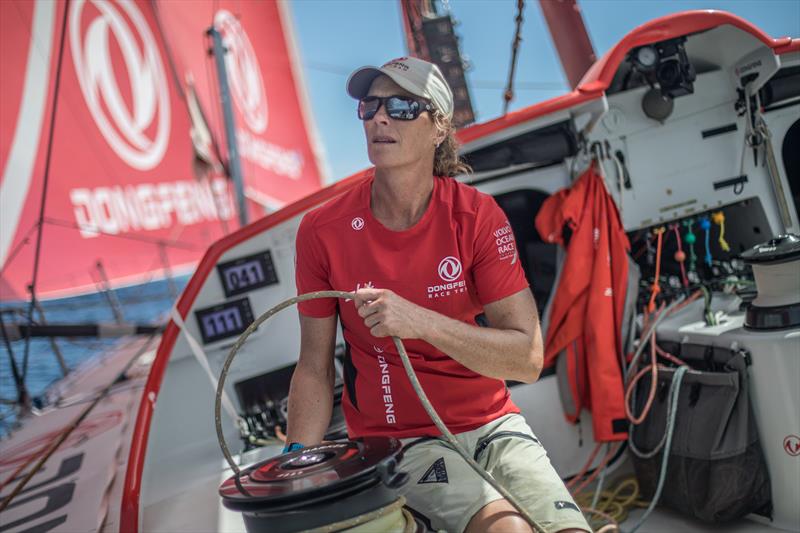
(367,107)
(397,107)
(402,108)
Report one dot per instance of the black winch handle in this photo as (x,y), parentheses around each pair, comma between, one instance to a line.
(389,475)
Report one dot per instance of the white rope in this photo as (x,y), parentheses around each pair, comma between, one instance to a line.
(202,358)
(620,181)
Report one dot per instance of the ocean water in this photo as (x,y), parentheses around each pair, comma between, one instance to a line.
(145,304)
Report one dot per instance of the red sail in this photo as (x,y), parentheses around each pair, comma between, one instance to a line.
(278,161)
(123,187)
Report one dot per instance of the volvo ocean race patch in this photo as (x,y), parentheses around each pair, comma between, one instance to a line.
(504,240)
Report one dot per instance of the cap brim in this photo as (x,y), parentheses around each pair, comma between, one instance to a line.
(359,82)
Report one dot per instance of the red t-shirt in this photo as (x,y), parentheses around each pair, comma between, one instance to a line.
(460,256)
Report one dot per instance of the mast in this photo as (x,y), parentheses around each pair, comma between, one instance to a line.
(430,36)
(569,34)
(412,26)
(234,164)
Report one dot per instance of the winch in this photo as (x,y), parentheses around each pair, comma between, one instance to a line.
(776,268)
(335,486)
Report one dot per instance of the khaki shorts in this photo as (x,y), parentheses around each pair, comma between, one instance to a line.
(447,493)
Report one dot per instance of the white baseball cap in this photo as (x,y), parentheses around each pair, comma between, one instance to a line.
(416,76)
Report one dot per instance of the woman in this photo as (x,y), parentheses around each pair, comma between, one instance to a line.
(421,251)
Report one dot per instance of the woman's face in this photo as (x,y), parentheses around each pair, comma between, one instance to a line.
(398,143)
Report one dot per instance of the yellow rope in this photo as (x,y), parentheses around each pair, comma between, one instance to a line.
(616,502)
(719,219)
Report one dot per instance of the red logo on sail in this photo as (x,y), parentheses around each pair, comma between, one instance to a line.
(244,73)
(137,131)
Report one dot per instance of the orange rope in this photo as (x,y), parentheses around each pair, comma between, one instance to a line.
(655,350)
(656,288)
(653,368)
(669,357)
(612,450)
(585,467)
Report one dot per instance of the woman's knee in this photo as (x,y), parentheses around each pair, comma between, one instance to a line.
(498,516)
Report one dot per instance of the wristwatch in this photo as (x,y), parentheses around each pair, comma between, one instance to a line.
(292,447)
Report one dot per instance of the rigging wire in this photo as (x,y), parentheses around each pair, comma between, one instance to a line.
(18,248)
(508,95)
(48,159)
(22,393)
(168,50)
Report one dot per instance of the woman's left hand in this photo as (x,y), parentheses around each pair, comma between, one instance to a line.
(387,314)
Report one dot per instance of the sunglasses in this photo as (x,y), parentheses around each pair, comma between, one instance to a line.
(397,107)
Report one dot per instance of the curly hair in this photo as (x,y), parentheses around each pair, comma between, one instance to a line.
(446,161)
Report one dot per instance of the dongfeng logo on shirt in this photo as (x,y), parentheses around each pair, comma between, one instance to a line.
(357,223)
(449,268)
(450,271)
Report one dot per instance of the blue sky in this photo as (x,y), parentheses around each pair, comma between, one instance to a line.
(337,36)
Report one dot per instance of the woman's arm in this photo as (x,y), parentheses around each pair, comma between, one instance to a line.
(311,390)
(510,348)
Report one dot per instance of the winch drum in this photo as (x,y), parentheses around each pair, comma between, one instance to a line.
(345,481)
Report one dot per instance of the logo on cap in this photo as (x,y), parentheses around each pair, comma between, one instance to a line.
(397,63)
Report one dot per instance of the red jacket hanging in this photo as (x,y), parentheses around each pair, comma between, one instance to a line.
(586,314)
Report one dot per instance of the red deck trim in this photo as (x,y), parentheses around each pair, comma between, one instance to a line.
(792,46)
(592,86)
(600,75)
(598,78)
(535,111)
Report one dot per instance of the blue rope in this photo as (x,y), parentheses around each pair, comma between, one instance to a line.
(674,389)
(705,224)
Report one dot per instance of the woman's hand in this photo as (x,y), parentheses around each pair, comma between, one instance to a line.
(386,314)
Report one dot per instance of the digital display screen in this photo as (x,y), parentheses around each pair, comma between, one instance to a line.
(224,320)
(247,273)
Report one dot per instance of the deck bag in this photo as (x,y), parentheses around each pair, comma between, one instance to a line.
(716,470)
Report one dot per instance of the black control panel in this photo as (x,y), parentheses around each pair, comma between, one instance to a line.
(224,320)
(247,273)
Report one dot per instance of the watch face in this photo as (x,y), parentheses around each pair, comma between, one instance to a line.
(646,56)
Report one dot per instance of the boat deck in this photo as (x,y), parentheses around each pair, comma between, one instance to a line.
(188,501)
